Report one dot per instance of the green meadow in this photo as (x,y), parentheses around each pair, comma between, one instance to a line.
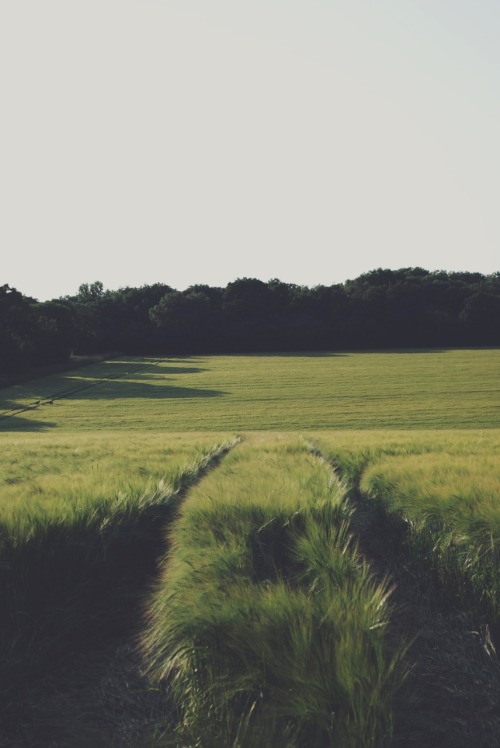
(300,550)
(398,390)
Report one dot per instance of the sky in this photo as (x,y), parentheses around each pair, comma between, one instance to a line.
(200,141)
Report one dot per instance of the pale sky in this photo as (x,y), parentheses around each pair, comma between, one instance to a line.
(198,141)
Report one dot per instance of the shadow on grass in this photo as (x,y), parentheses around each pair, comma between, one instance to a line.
(66,591)
(117,380)
(339,354)
(68,586)
(120,368)
(167,371)
(292,354)
(122,389)
(450,697)
(68,389)
(11,419)
(385,351)
(48,395)
(354,352)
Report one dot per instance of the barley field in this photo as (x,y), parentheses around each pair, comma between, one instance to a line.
(298,549)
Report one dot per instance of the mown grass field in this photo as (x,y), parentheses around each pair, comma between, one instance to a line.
(260,571)
(406,390)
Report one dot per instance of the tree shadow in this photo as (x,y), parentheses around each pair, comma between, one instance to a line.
(118,389)
(12,420)
(116,370)
(112,384)
(110,369)
(307,354)
(404,350)
(296,354)
(343,353)
(165,371)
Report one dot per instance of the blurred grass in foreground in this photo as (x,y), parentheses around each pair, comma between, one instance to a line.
(267,623)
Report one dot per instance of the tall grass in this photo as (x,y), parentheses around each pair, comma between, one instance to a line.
(450,505)
(69,572)
(438,499)
(267,623)
(58,470)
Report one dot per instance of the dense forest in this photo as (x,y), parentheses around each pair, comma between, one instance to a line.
(406,308)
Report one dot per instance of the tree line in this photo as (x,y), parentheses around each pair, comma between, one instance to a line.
(406,308)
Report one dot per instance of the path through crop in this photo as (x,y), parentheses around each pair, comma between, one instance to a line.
(451,695)
(71,610)
(262,613)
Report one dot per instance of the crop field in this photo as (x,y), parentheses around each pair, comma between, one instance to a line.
(82,520)
(286,551)
(267,617)
(54,474)
(445,489)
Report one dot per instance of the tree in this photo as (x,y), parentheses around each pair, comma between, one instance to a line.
(182,319)
(481,314)
(92,292)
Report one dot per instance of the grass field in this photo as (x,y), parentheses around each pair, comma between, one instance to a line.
(269,618)
(58,472)
(445,490)
(82,521)
(406,390)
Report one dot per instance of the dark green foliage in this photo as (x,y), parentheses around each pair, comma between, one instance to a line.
(31,334)
(406,308)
